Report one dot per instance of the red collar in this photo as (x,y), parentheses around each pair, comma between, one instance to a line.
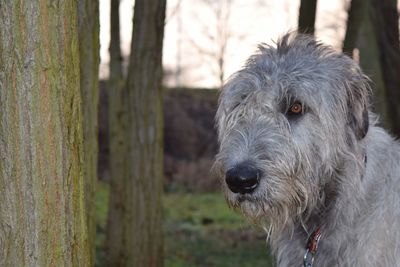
(311,248)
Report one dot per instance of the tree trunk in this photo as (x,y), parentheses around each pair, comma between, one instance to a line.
(307,13)
(119,157)
(115,44)
(42,208)
(88,26)
(373,29)
(138,206)
(144,186)
(356,14)
(387,34)
(370,62)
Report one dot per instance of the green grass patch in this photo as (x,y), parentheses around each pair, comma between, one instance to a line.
(200,230)
(208,211)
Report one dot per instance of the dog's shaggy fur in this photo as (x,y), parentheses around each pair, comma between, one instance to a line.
(329,166)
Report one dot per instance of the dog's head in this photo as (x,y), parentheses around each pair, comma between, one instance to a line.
(286,123)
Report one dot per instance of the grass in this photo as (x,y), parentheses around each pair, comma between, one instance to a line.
(200,230)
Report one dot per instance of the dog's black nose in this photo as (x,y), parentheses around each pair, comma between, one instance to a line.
(242,179)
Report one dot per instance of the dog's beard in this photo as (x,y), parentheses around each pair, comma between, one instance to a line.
(275,214)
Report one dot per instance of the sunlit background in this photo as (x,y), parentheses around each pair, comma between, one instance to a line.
(196,30)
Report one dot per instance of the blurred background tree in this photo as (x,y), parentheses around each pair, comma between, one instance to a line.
(307,13)
(118,126)
(373,32)
(135,236)
(385,18)
(218,33)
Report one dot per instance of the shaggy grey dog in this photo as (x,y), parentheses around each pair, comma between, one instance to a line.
(300,152)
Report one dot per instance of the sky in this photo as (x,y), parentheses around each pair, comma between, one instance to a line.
(194,34)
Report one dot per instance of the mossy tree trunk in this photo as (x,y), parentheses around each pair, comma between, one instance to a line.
(42,208)
(118,110)
(139,213)
(307,14)
(88,27)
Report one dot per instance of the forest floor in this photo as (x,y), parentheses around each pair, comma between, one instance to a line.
(200,231)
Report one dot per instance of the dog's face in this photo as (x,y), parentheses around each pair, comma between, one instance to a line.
(285,125)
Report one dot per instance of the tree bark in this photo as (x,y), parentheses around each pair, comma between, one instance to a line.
(307,13)
(118,125)
(42,208)
(88,26)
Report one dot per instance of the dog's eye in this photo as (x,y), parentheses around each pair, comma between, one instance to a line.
(295,109)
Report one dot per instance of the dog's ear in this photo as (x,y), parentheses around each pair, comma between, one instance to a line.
(358,102)
(359,121)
